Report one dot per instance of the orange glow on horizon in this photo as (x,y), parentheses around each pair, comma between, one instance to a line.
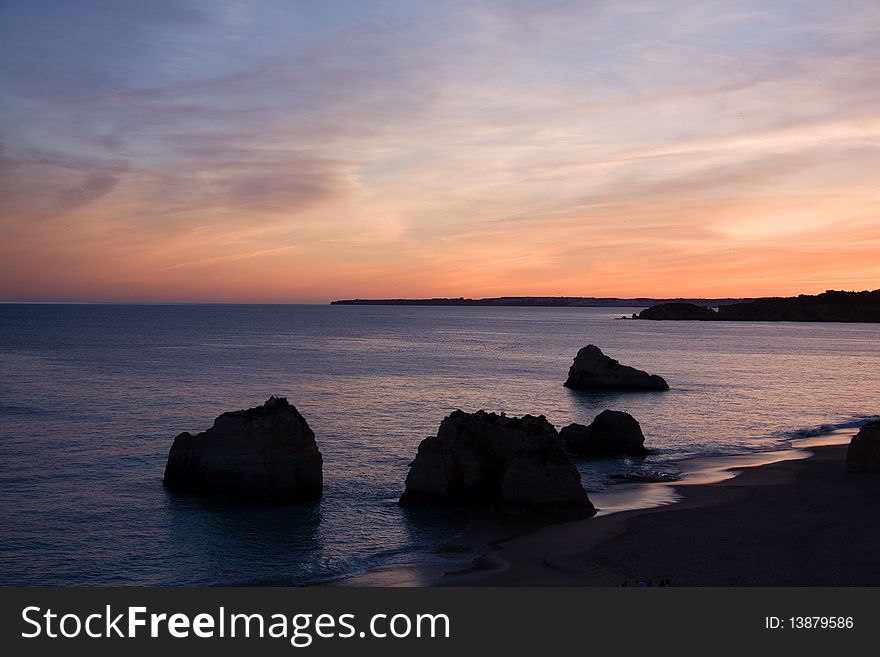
(656,155)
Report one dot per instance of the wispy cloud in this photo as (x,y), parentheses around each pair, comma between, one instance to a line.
(302,152)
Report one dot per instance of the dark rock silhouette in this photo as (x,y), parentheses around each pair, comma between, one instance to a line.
(863,453)
(612,433)
(265,454)
(593,370)
(830,306)
(516,465)
(679,311)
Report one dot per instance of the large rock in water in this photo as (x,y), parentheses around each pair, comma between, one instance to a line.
(678,311)
(266,454)
(863,454)
(517,465)
(612,433)
(593,370)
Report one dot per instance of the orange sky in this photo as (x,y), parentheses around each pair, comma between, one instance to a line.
(452,149)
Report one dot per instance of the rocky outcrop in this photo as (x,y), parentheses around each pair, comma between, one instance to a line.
(612,433)
(863,454)
(593,370)
(516,465)
(266,454)
(830,306)
(678,311)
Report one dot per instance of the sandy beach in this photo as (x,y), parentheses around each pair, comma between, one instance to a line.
(797,522)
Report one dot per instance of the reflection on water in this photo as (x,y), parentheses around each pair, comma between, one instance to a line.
(91,397)
(702,471)
(239,544)
(626,497)
(712,470)
(840,436)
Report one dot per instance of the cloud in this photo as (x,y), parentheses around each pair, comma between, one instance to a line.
(450,147)
(95,186)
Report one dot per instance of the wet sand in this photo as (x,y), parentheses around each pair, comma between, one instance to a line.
(797,522)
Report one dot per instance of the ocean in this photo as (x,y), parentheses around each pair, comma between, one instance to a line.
(91,397)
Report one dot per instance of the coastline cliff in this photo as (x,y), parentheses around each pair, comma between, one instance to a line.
(830,306)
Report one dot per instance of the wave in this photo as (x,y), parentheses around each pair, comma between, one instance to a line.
(818,430)
(332,571)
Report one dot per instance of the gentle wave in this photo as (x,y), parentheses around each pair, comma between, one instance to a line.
(854,422)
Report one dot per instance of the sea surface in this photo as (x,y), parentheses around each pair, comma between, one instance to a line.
(91,397)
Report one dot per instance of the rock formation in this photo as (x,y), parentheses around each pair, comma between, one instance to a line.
(612,433)
(517,465)
(830,306)
(678,311)
(593,370)
(265,454)
(863,454)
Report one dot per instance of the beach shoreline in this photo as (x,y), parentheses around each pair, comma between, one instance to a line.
(759,519)
(797,522)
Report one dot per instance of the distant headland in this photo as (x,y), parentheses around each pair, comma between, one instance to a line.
(537,301)
(830,306)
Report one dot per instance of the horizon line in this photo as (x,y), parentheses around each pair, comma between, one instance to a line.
(110,302)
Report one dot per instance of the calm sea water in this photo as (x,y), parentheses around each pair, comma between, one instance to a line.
(91,397)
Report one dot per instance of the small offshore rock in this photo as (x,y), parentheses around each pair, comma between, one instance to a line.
(678,311)
(593,370)
(612,433)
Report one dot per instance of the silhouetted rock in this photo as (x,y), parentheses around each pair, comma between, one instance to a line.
(264,454)
(612,433)
(517,465)
(830,306)
(678,311)
(593,370)
(863,454)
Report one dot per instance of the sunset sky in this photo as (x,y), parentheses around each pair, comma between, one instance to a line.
(301,151)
